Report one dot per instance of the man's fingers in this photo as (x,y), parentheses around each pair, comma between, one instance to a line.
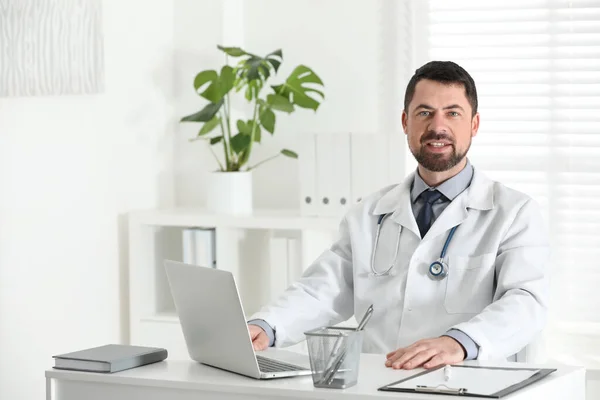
(398,352)
(398,362)
(260,342)
(420,358)
(255,330)
(391,357)
(439,359)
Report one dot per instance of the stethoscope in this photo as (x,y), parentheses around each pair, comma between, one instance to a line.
(437,270)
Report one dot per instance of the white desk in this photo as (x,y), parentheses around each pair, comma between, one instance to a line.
(186,380)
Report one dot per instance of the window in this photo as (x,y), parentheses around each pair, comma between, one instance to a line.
(536,64)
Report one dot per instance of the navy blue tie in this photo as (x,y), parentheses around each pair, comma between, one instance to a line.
(426,213)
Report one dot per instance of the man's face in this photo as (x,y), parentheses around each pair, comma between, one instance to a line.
(439,125)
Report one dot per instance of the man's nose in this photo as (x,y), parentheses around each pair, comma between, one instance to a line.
(438,123)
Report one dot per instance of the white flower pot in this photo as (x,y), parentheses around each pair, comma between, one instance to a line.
(229,192)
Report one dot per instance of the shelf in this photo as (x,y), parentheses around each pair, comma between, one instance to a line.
(245,245)
(260,219)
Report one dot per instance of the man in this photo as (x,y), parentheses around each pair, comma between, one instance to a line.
(485,299)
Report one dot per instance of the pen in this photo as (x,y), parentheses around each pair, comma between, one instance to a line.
(330,372)
(447,373)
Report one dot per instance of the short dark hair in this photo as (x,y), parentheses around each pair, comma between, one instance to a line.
(446,72)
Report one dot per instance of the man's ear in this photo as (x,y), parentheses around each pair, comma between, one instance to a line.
(404,121)
(475,125)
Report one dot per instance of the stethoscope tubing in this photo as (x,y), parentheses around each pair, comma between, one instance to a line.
(379,225)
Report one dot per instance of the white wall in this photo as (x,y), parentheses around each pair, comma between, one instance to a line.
(70,166)
(351,44)
(197,29)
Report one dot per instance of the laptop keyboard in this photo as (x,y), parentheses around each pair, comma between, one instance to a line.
(270,365)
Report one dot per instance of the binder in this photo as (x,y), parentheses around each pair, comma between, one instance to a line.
(307,159)
(333,173)
(199,247)
(470,381)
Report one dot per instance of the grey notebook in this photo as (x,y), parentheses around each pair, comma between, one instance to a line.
(109,358)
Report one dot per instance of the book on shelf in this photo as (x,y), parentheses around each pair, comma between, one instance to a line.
(109,358)
(199,247)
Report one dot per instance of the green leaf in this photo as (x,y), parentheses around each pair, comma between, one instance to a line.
(299,85)
(239,142)
(251,90)
(216,139)
(257,132)
(277,53)
(220,86)
(232,51)
(259,68)
(275,62)
(209,126)
(289,153)
(279,103)
(267,119)
(226,79)
(243,127)
(254,66)
(204,115)
(204,77)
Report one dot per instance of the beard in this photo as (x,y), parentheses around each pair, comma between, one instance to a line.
(438,162)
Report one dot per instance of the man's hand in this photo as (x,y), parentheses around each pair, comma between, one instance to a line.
(260,340)
(428,353)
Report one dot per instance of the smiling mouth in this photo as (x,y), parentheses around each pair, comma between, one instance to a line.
(438,145)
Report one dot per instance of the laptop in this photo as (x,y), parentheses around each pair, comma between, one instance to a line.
(214,324)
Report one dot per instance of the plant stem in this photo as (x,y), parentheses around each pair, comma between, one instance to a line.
(217,158)
(254,125)
(225,146)
(227,108)
(265,160)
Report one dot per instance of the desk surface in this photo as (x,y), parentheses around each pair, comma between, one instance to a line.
(372,375)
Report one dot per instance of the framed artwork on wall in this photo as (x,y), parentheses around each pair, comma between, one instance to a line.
(52,47)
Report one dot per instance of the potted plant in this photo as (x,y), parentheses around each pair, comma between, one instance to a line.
(230,186)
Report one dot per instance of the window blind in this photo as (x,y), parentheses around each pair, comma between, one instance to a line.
(536,64)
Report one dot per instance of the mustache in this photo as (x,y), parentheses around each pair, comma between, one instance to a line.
(432,135)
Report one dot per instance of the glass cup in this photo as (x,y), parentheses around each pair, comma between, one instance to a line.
(334,354)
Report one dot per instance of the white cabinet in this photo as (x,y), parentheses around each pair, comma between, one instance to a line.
(265,251)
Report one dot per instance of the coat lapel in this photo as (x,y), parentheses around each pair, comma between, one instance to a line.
(397,202)
(479,195)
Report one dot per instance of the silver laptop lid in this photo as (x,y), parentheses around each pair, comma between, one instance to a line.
(212,317)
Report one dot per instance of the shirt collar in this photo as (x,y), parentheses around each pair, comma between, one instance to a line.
(450,188)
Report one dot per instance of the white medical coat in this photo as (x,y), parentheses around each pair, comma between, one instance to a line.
(495,291)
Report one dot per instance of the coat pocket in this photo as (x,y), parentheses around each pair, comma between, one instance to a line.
(470,283)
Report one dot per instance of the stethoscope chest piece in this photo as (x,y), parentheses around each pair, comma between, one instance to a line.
(438,269)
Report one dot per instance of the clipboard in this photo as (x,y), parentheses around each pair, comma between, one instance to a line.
(494,374)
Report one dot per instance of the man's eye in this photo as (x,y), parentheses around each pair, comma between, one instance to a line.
(453,114)
(424,113)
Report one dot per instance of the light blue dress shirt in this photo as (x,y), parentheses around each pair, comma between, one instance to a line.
(450,189)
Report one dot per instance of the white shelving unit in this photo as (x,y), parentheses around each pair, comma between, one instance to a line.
(243,246)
